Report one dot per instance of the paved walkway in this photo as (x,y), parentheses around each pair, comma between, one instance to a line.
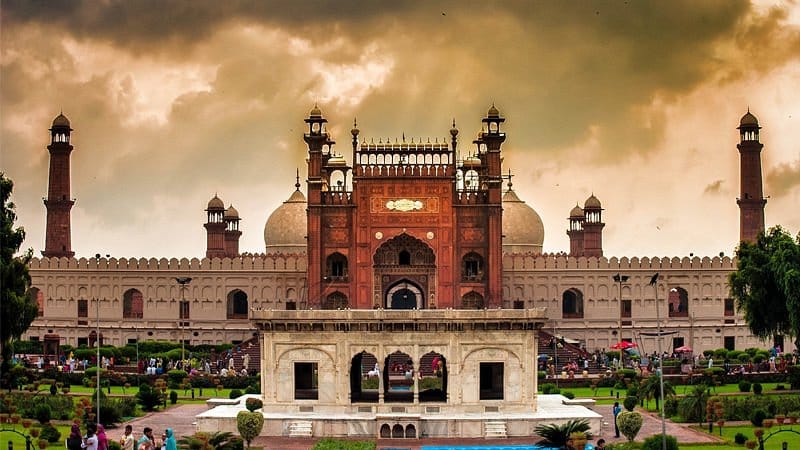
(181,419)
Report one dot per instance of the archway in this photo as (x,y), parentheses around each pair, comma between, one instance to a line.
(364,378)
(398,378)
(404,295)
(432,378)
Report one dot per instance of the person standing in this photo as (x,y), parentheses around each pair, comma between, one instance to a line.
(146,441)
(102,439)
(617,409)
(127,439)
(90,441)
(74,441)
(170,443)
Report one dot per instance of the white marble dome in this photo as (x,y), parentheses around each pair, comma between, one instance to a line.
(285,230)
(523,230)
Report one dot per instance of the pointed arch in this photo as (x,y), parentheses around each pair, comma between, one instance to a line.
(132,304)
(237,306)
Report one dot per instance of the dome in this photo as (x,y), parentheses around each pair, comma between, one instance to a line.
(472,161)
(231,213)
(523,230)
(215,203)
(576,212)
(493,112)
(61,121)
(337,160)
(748,119)
(316,112)
(285,230)
(592,202)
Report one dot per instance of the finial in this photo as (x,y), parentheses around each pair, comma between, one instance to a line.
(297,180)
(404,136)
(510,176)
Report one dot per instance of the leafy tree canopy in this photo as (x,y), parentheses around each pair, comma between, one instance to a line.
(766,284)
(17,309)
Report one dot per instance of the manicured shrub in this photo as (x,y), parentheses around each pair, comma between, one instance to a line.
(629,423)
(569,394)
(253,404)
(249,425)
(43,413)
(235,393)
(550,388)
(50,433)
(757,389)
(148,397)
(654,443)
(744,386)
(758,416)
(630,403)
(173,397)
(740,438)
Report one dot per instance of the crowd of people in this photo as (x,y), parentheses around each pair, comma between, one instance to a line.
(95,438)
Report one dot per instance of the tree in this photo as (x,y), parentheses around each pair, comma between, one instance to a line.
(17,309)
(651,389)
(766,284)
(693,406)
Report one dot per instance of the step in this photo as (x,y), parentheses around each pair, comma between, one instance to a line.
(300,428)
(495,429)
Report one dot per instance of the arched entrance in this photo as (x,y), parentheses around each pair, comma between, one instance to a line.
(404,269)
(404,295)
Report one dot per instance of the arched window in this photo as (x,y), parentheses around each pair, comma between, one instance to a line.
(572,304)
(36,296)
(132,304)
(336,267)
(472,300)
(337,300)
(404,258)
(678,302)
(237,304)
(471,181)
(472,267)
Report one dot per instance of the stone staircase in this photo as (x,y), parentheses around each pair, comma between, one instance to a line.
(300,428)
(495,429)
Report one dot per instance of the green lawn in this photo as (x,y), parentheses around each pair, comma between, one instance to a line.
(19,441)
(133,390)
(773,442)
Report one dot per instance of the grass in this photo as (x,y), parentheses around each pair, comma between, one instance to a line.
(133,390)
(793,439)
(19,442)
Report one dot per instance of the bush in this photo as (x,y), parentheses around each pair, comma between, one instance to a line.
(629,423)
(249,425)
(114,445)
(568,394)
(235,393)
(758,416)
(43,413)
(740,438)
(550,388)
(670,406)
(176,377)
(626,373)
(630,403)
(744,386)
(654,443)
(253,404)
(757,389)
(254,388)
(50,433)
(148,397)
(173,397)
(336,444)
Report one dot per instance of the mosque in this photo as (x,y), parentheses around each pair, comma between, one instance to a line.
(404,293)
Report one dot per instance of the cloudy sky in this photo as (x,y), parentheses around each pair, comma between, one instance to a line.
(174,101)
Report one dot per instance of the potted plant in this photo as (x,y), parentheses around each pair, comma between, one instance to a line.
(780,418)
(793,417)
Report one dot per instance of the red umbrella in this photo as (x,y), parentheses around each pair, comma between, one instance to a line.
(623,345)
(683,349)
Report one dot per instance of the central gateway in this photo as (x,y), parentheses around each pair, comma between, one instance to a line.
(401,333)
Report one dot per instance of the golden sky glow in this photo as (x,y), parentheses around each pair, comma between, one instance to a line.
(174,101)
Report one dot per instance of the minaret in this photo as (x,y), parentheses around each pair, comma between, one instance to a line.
(575,231)
(215,229)
(751,201)
(493,137)
(58,237)
(232,232)
(315,138)
(592,227)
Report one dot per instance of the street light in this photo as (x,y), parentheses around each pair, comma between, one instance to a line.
(183,281)
(620,279)
(654,283)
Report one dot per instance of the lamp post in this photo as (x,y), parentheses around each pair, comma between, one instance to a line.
(183,281)
(619,279)
(654,283)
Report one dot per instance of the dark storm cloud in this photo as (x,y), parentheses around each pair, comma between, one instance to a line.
(783,179)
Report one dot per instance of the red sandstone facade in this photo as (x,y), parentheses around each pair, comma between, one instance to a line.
(751,201)
(409,225)
(58,237)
